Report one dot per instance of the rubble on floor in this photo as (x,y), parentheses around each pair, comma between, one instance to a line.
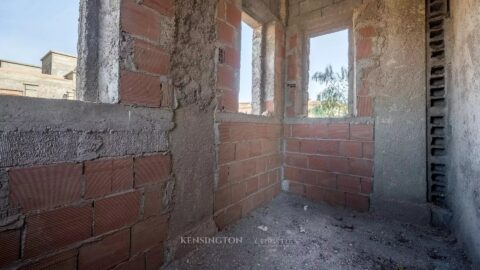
(305,235)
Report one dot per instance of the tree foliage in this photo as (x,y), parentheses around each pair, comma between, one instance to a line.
(333,99)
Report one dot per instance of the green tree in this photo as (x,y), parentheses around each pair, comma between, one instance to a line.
(333,99)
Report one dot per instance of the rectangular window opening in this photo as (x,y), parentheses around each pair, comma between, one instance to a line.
(246,70)
(328,87)
(38,49)
(251,66)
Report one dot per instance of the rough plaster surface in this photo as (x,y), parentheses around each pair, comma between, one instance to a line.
(98,50)
(76,131)
(399,90)
(245,118)
(193,65)
(332,239)
(87,69)
(270,55)
(314,121)
(258,83)
(192,140)
(3,194)
(464,178)
(263,10)
(108,51)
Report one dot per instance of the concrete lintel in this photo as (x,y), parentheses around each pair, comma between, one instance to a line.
(352,120)
(223,117)
(258,11)
(30,114)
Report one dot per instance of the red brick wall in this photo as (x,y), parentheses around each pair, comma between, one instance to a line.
(274,101)
(366,43)
(249,161)
(229,17)
(366,46)
(102,213)
(293,94)
(144,77)
(99,213)
(330,162)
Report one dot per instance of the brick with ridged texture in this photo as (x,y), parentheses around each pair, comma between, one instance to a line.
(105,253)
(115,212)
(57,228)
(45,187)
(154,168)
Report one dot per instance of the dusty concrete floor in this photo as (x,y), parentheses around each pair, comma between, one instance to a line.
(332,239)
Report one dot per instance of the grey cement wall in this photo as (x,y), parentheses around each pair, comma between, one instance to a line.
(193,151)
(399,89)
(395,73)
(40,132)
(258,63)
(464,100)
(37,131)
(99,51)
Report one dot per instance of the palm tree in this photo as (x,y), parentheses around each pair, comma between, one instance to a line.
(333,99)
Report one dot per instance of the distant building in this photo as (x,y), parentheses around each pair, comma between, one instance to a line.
(55,79)
(245,107)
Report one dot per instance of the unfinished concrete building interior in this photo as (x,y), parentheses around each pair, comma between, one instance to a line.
(153,165)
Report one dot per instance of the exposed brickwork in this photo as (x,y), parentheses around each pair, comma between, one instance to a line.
(234,15)
(151,169)
(55,229)
(149,233)
(274,98)
(151,58)
(103,177)
(136,263)
(115,212)
(144,75)
(95,214)
(112,213)
(330,162)
(65,260)
(45,187)
(165,7)
(249,169)
(140,89)
(139,20)
(10,246)
(154,258)
(228,72)
(94,226)
(365,45)
(106,253)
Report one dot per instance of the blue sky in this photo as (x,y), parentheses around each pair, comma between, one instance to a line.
(245,94)
(31,28)
(330,49)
